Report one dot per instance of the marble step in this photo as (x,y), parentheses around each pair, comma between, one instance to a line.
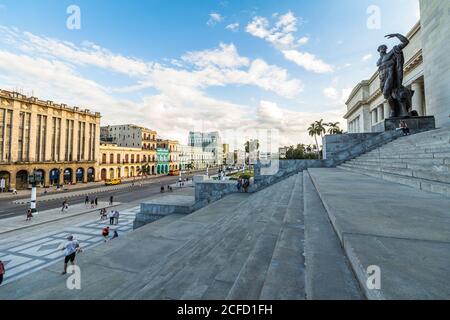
(418,183)
(431,175)
(429,165)
(399,231)
(329,275)
(285,278)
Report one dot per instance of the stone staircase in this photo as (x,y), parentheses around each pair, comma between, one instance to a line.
(244,246)
(421,161)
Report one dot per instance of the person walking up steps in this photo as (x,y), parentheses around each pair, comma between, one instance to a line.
(70,250)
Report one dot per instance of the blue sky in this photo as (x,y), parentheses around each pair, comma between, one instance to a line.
(181,65)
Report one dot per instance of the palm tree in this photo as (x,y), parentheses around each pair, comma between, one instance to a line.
(334,128)
(313,132)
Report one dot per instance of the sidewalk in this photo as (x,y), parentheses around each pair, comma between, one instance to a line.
(85,192)
(17,223)
(84,188)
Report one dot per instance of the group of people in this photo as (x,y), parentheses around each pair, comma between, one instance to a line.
(113,216)
(105,234)
(93,202)
(404,127)
(169,188)
(243,184)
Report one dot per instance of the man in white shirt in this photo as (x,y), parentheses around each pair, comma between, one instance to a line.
(70,251)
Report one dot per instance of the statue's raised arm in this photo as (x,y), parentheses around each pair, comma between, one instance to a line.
(404,40)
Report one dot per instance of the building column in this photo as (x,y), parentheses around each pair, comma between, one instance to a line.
(12,179)
(387,110)
(417,99)
(380,112)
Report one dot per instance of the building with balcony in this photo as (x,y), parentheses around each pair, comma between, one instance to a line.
(162,160)
(172,147)
(60,143)
(124,162)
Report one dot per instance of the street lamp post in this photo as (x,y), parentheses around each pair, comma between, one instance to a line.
(34,179)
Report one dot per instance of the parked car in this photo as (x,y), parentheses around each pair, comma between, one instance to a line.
(113,182)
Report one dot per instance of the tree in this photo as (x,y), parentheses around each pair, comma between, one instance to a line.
(313,132)
(334,128)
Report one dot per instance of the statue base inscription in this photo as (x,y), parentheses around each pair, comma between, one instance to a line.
(414,123)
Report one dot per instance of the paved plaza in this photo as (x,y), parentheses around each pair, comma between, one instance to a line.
(40,252)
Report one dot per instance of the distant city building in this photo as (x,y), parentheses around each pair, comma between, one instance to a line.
(129,135)
(226,150)
(172,147)
(240,157)
(282,152)
(209,142)
(61,143)
(194,158)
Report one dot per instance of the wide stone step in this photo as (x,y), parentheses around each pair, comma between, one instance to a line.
(418,183)
(328,272)
(399,232)
(432,173)
(252,277)
(285,279)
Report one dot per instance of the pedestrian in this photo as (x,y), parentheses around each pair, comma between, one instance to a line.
(70,250)
(111,217)
(239,184)
(63,206)
(246,185)
(92,203)
(29,214)
(2,271)
(14,191)
(105,233)
(116,217)
(115,235)
(111,200)
(96,202)
(86,201)
(162,189)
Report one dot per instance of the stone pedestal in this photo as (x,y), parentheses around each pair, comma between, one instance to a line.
(414,123)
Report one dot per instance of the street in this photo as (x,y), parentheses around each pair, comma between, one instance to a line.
(126,195)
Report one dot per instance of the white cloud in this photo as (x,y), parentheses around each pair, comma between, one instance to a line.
(367,57)
(214,18)
(233,27)
(308,61)
(225,56)
(282,37)
(179,101)
(303,41)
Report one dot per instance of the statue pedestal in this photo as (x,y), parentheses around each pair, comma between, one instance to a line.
(414,123)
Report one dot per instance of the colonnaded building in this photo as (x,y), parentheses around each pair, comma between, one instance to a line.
(426,72)
(58,142)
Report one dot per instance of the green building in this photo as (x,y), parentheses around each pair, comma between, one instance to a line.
(162,158)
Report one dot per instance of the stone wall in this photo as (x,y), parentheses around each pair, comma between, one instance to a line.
(209,191)
(435,19)
(334,144)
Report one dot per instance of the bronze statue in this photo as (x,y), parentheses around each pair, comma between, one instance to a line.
(390,66)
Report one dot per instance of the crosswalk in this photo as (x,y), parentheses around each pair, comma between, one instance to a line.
(40,252)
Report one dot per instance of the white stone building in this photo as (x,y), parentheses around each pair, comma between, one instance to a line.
(196,156)
(209,142)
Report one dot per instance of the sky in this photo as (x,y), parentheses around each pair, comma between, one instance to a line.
(237,66)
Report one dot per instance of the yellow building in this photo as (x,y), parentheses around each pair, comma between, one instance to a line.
(125,162)
(58,142)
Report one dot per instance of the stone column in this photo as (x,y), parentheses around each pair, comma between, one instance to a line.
(417,99)
(380,112)
(387,110)
(33,134)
